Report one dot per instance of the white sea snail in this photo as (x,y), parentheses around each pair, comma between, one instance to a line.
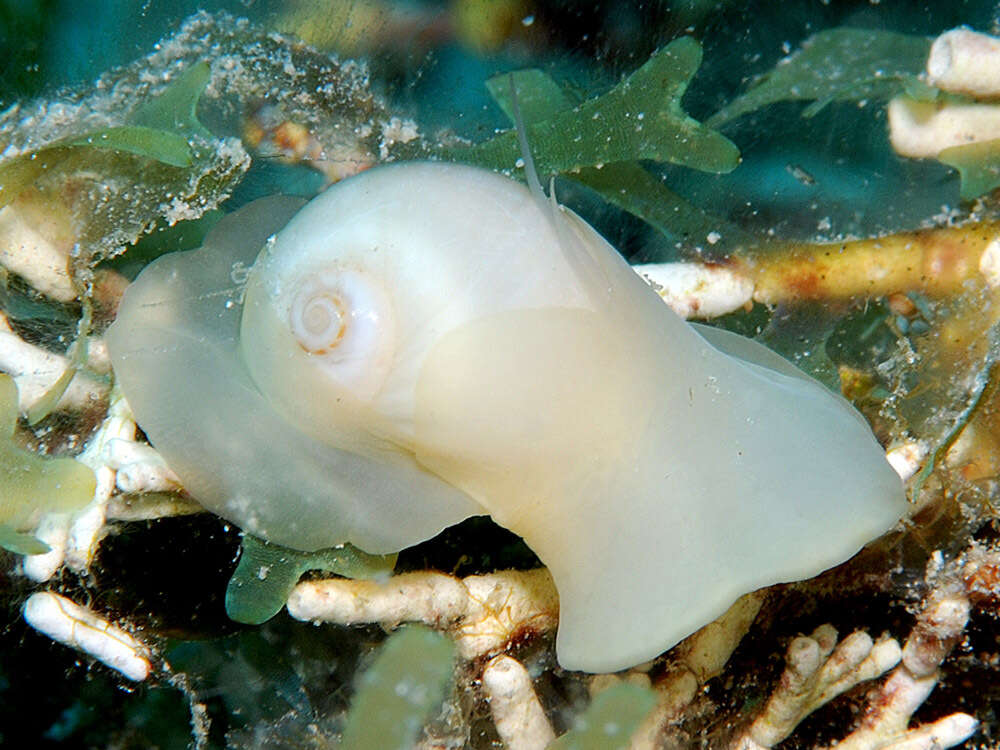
(426,342)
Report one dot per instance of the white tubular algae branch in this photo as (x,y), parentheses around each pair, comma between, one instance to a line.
(77,627)
(518,714)
(964,61)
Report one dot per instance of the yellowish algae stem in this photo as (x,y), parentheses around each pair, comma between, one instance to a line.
(935,261)
(31,485)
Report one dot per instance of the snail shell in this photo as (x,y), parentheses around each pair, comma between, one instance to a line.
(425,342)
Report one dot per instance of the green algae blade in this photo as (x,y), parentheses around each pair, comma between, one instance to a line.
(31,485)
(396,695)
(174,109)
(978,166)
(160,131)
(636,190)
(162,146)
(47,403)
(267,573)
(626,184)
(21,543)
(538,96)
(640,118)
(841,63)
(610,720)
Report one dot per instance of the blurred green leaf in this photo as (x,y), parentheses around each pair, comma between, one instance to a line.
(842,63)
(978,165)
(395,696)
(31,484)
(21,543)
(610,720)
(254,679)
(267,573)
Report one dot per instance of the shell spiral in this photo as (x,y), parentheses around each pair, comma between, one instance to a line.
(351,311)
(344,320)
